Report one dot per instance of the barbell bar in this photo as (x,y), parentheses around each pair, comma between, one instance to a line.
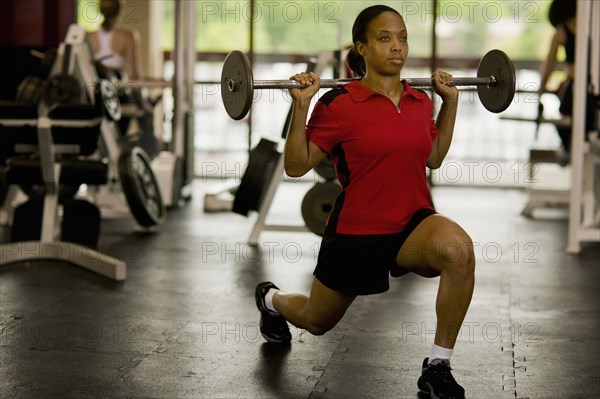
(161,84)
(333,83)
(495,83)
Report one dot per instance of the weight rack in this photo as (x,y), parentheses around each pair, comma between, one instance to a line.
(324,59)
(48,248)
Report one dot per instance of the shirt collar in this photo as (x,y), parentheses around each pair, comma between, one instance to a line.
(360,92)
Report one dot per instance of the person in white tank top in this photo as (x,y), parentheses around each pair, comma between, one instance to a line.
(105,54)
(117,49)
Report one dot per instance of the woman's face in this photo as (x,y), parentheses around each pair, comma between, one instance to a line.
(386,48)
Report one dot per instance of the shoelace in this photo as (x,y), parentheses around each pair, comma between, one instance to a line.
(441,371)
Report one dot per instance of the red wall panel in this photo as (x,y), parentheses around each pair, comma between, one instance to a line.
(36,23)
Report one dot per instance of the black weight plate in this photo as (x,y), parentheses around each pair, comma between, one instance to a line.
(317,205)
(107,92)
(29,91)
(140,187)
(61,89)
(498,97)
(255,181)
(325,168)
(238,101)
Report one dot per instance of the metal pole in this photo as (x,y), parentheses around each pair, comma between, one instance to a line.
(433,63)
(433,67)
(178,81)
(251,58)
(578,132)
(188,147)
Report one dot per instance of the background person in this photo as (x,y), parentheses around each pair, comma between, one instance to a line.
(562,16)
(118,50)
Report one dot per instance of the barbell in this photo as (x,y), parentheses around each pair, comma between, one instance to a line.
(495,83)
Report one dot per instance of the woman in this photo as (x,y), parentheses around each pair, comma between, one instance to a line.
(117,50)
(562,16)
(381,136)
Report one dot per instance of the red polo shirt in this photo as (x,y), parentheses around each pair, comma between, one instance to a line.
(380,153)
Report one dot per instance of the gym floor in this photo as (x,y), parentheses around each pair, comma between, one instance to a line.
(184,323)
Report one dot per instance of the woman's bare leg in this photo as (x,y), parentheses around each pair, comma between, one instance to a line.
(317,313)
(440,247)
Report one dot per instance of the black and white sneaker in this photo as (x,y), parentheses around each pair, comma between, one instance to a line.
(437,381)
(273,327)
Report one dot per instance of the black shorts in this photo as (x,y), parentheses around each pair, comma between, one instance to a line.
(362,264)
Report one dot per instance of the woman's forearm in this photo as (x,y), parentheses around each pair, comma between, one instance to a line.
(296,152)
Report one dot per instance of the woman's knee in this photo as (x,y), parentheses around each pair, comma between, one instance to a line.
(316,327)
(324,309)
(455,252)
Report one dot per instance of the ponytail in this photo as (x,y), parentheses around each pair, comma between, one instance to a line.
(356,62)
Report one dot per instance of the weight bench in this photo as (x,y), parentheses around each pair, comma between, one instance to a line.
(543,197)
(48,154)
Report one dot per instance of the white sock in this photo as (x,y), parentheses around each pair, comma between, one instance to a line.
(269,300)
(437,352)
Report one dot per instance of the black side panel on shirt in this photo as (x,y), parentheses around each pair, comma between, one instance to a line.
(344,177)
(328,97)
(335,214)
(342,169)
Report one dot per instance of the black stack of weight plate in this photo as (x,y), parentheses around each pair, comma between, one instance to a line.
(255,181)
